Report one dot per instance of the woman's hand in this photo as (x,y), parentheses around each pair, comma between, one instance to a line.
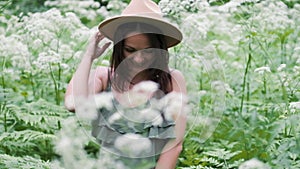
(93,50)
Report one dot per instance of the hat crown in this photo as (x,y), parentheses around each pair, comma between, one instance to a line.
(142,11)
(146,8)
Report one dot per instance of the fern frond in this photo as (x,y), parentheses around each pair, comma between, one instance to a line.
(27,162)
(40,116)
(6,119)
(24,142)
(221,153)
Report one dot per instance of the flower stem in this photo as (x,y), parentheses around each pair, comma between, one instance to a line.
(57,100)
(245,79)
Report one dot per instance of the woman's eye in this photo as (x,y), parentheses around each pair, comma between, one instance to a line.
(129,50)
(149,50)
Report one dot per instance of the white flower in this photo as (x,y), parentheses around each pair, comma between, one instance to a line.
(85,108)
(237,65)
(147,87)
(295,105)
(174,104)
(105,62)
(116,116)
(281,67)
(133,145)
(296,69)
(222,87)
(139,94)
(64,143)
(254,164)
(38,43)
(104,99)
(262,70)
(202,93)
(151,115)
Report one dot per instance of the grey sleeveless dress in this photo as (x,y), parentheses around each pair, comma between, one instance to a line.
(106,133)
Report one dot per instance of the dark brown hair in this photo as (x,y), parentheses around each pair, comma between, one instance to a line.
(157,72)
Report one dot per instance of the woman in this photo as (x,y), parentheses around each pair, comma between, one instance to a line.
(141,40)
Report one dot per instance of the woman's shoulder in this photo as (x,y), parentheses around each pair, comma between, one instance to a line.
(102,69)
(101,73)
(175,73)
(178,81)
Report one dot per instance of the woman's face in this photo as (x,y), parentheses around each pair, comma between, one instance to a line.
(138,52)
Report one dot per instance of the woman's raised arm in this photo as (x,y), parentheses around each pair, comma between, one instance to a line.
(85,81)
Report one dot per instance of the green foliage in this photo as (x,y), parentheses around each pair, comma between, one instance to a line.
(259,119)
(242,103)
(39,116)
(29,129)
(26,162)
(24,6)
(19,143)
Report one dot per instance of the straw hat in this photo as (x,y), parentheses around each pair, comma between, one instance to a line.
(144,11)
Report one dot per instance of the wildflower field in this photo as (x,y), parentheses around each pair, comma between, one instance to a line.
(240,58)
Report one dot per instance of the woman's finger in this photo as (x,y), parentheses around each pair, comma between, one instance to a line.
(104,47)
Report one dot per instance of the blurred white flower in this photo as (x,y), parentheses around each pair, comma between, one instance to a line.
(281,67)
(104,99)
(139,94)
(151,115)
(37,44)
(222,87)
(64,143)
(116,116)
(133,145)
(262,70)
(45,61)
(202,93)
(85,108)
(295,105)
(174,105)
(103,11)
(254,164)
(105,62)
(109,161)
(296,69)
(145,87)
(237,65)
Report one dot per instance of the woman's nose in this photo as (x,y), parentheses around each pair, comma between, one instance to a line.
(138,58)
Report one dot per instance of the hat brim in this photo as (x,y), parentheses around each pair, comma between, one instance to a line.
(172,34)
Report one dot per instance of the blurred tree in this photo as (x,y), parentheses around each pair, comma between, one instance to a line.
(25,6)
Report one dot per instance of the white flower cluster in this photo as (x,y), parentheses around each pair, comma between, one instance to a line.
(211,21)
(263,70)
(81,8)
(272,16)
(294,105)
(172,105)
(44,42)
(178,8)
(133,145)
(139,94)
(115,7)
(12,48)
(70,145)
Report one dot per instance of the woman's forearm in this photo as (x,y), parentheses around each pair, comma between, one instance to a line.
(81,77)
(78,86)
(168,159)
